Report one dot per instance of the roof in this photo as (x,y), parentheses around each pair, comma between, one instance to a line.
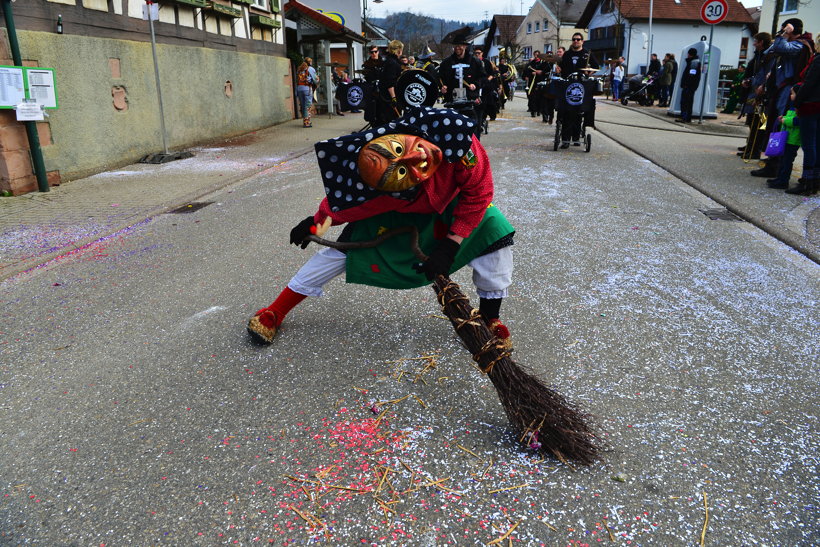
(507,26)
(293,7)
(666,10)
(568,10)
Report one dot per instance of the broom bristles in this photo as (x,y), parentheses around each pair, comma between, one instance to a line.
(543,418)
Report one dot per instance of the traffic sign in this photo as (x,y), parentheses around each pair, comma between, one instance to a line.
(714,11)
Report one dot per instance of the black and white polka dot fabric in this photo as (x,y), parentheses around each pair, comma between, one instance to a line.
(445,128)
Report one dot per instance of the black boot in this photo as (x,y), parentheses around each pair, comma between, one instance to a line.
(806,185)
(768,171)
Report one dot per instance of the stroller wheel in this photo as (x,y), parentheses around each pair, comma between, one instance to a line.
(587,143)
(624,101)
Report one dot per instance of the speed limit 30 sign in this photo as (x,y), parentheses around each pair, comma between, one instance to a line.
(714,11)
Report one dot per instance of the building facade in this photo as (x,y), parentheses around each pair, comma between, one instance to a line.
(222,65)
(549,24)
(807,11)
(622,28)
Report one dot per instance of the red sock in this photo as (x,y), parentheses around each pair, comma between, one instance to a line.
(286,301)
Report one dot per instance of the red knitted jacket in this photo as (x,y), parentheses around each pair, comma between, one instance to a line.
(473,186)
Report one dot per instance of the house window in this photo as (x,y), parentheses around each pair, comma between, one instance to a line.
(537,26)
(262,4)
(607,6)
(546,25)
(529,28)
(744,48)
(527,52)
(790,6)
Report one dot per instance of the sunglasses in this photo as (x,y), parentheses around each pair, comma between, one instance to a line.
(374,51)
(577,39)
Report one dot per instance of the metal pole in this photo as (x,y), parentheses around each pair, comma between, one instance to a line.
(649,46)
(706,78)
(31,127)
(156,75)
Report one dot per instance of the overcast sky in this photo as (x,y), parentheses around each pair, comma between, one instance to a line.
(471,10)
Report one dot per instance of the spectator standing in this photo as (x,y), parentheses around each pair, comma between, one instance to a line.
(793,51)
(752,105)
(807,103)
(674,74)
(306,82)
(790,122)
(688,84)
(654,68)
(665,81)
(617,79)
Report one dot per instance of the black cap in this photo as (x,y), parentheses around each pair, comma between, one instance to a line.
(458,36)
(796,23)
(692,51)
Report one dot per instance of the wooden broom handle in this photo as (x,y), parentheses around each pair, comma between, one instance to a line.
(343,245)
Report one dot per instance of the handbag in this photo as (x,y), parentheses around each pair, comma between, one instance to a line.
(777,143)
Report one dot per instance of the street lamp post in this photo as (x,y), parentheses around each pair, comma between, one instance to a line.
(364,15)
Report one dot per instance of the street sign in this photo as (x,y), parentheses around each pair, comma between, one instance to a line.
(714,11)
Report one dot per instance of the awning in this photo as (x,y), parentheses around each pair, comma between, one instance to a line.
(315,26)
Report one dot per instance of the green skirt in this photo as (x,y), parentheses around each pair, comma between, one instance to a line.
(390,265)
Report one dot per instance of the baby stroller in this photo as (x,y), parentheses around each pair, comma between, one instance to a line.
(640,89)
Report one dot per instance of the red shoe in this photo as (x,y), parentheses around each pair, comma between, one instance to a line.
(263,326)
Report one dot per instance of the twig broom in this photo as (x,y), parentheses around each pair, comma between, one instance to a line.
(544,420)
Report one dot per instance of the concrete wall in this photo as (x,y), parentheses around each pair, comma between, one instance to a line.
(90,134)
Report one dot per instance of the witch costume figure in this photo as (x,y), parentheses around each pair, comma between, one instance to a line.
(423,169)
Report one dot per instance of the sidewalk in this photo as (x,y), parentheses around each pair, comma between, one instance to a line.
(717,172)
(37,227)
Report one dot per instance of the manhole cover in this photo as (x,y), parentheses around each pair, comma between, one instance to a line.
(720,214)
(191,207)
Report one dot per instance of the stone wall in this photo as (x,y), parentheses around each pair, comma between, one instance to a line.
(108,113)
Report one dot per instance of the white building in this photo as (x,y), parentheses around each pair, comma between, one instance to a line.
(806,11)
(622,28)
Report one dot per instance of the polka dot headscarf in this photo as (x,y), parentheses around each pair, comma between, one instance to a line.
(337,157)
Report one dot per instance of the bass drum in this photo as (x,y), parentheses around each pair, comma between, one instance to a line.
(416,88)
(353,95)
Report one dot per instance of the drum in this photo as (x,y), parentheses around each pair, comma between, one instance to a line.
(575,94)
(416,88)
(351,95)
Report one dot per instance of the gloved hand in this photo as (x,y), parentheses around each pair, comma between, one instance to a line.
(440,260)
(301,231)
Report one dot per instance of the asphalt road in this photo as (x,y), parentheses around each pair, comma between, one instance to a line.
(134,411)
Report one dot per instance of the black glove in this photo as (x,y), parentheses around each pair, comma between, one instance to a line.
(440,260)
(300,232)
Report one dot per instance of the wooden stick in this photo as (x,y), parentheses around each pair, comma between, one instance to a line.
(705,522)
(506,534)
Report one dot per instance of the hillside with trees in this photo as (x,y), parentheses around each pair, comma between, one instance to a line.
(417,31)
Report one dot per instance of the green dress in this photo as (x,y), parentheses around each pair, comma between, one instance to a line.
(390,264)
